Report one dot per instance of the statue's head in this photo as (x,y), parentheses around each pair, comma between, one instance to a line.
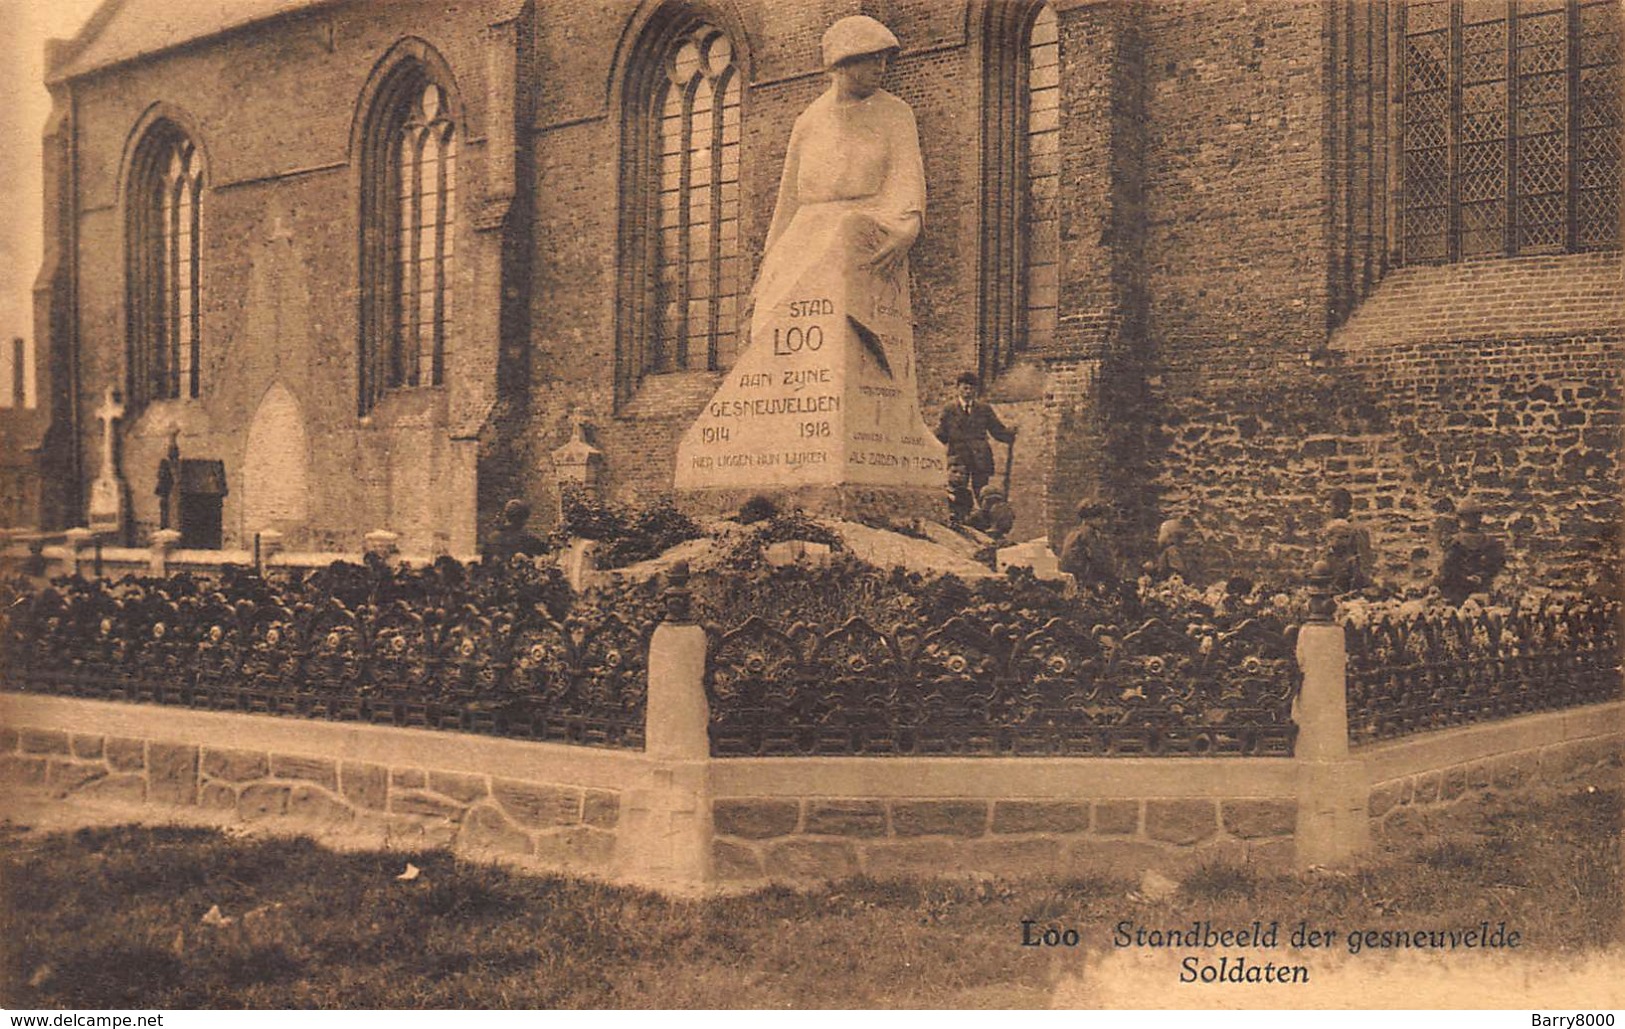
(856,49)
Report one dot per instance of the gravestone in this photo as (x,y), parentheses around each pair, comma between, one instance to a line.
(821,410)
(275,466)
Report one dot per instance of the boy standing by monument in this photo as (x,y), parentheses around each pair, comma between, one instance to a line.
(964,427)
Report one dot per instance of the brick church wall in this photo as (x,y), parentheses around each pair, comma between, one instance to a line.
(1502,379)
(1222,218)
(1236,280)
(279,286)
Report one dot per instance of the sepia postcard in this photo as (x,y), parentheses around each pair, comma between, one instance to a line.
(730,504)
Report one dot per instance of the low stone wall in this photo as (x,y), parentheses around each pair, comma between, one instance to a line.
(673,817)
(1412,776)
(823,837)
(363,785)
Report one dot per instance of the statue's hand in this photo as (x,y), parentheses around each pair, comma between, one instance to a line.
(887,261)
(896,238)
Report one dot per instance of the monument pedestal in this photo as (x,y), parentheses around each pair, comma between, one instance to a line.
(821,411)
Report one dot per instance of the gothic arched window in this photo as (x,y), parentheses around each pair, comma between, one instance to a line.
(1510,119)
(681,286)
(1021,238)
(409,209)
(164,266)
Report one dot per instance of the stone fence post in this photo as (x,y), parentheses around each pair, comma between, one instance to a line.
(383,544)
(667,839)
(1333,788)
(75,541)
(162,542)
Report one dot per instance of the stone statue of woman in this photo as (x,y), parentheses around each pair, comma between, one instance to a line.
(853,167)
(824,397)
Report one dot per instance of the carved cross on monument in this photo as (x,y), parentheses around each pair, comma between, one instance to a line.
(280,232)
(106,512)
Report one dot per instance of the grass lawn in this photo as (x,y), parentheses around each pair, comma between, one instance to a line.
(115,918)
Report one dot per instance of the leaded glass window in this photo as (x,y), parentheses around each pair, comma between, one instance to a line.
(164,278)
(411,210)
(1043,223)
(425,179)
(1510,128)
(1020,265)
(696,195)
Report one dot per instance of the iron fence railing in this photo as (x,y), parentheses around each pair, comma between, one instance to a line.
(1011,688)
(481,650)
(1444,666)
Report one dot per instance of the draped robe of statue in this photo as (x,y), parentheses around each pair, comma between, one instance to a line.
(825,393)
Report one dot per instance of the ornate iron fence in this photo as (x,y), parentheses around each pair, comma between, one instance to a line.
(1444,667)
(485,651)
(1006,688)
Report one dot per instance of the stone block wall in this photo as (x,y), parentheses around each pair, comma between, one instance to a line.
(1501,379)
(701,824)
(1497,379)
(545,825)
(809,838)
(1414,779)
(1402,806)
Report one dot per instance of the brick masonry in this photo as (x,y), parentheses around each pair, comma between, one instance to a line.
(784,840)
(1223,216)
(544,825)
